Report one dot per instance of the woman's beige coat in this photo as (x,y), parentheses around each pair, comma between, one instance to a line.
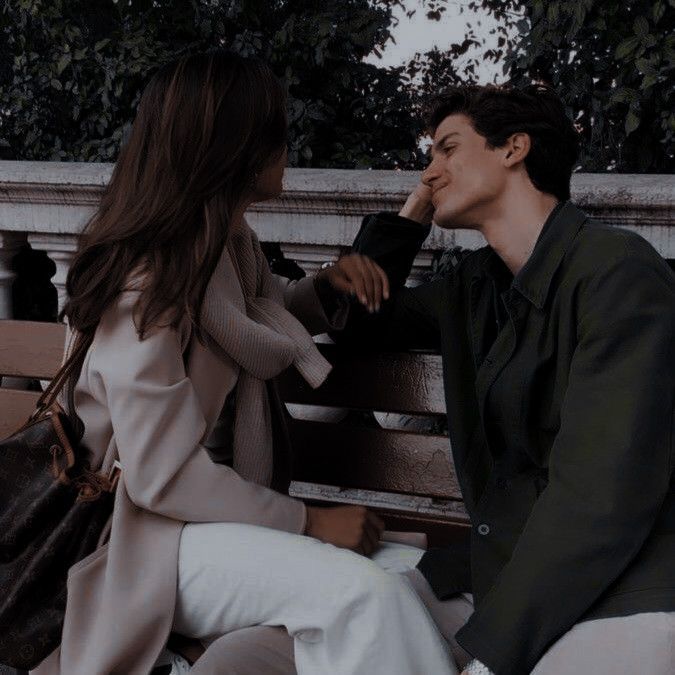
(135,398)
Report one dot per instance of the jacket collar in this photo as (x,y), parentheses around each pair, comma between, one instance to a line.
(533,281)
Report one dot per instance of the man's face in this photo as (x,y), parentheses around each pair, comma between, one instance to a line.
(465,176)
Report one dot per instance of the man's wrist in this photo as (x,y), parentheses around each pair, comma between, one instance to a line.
(417,209)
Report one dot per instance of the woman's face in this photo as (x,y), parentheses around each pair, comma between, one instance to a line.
(268,184)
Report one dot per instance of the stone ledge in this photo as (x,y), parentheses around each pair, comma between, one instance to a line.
(321,209)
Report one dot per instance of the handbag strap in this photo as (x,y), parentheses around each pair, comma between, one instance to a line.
(73,362)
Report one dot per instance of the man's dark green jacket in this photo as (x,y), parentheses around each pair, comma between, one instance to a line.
(560,391)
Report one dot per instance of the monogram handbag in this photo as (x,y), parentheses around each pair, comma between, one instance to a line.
(53,509)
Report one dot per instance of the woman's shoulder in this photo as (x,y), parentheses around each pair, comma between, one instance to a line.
(120,323)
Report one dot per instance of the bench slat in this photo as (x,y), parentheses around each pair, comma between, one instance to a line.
(373,459)
(15,408)
(391,381)
(31,348)
(440,532)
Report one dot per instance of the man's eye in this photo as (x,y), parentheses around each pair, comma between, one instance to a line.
(448,149)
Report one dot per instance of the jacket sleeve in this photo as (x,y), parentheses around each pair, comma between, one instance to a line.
(407,319)
(303,301)
(609,468)
(158,426)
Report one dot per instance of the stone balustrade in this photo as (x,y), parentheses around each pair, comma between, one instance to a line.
(46,204)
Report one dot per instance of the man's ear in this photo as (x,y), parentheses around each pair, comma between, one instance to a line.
(516,148)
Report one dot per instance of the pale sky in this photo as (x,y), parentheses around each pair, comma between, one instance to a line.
(420,34)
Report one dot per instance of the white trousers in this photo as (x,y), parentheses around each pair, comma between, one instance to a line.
(347,614)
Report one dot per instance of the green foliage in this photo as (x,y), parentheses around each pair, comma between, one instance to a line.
(72,71)
(613,63)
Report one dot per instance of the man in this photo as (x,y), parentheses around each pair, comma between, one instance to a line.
(558,344)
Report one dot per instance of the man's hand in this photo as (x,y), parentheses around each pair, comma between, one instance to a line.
(352,527)
(360,276)
(418,206)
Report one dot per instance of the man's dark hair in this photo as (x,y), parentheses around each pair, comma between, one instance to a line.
(497,112)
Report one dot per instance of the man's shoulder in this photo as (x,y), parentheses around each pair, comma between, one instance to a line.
(599,246)
(615,239)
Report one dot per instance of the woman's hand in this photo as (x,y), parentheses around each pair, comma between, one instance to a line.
(360,276)
(352,527)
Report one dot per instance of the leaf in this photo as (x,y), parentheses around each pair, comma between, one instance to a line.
(641,27)
(632,122)
(658,10)
(553,12)
(649,81)
(63,63)
(100,44)
(537,9)
(624,95)
(626,47)
(643,65)
(523,26)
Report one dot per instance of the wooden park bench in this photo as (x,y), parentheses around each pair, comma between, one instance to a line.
(407,477)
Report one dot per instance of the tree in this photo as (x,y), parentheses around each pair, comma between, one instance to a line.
(73,70)
(613,64)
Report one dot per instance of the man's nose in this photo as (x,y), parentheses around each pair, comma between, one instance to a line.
(430,174)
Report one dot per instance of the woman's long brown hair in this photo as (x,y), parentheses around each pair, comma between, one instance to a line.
(206,125)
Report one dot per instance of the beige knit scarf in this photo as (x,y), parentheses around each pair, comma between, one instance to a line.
(255,330)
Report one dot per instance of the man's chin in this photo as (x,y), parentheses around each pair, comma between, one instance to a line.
(448,220)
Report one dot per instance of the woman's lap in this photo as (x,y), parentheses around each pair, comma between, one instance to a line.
(255,570)
(234,576)
(274,566)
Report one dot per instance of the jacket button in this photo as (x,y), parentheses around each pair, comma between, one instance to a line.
(483,529)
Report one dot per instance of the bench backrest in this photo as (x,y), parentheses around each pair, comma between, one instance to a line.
(28,350)
(361,455)
(358,460)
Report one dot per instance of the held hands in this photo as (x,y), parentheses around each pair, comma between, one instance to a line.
(352,527)
(360,276)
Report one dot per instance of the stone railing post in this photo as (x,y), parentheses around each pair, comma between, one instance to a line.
(10,243)
(60,248)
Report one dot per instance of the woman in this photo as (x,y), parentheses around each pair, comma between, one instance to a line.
(189,326)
